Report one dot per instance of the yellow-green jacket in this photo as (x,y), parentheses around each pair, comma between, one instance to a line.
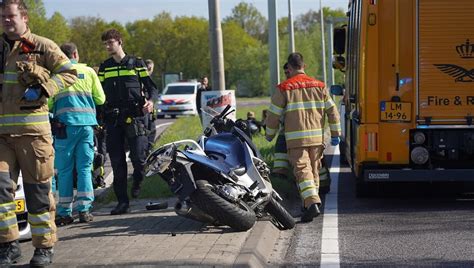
(304,103)
(18,116)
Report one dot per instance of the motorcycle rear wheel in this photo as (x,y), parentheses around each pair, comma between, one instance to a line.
(238,216)
(280,214)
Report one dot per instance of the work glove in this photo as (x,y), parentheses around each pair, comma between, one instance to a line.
(31,74)
(335,141)
(32,93)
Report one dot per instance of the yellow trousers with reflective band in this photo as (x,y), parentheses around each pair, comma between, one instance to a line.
(34,156)
(306,162)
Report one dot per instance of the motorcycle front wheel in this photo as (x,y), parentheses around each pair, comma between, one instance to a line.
(238,216)
(280,214)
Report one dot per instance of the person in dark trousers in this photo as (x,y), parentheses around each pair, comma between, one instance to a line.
(126,82)
(280,163)
(203,87)
(150,65)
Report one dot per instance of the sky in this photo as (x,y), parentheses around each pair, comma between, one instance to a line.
(125,11)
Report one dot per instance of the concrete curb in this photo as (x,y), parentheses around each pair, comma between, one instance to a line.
(256,250)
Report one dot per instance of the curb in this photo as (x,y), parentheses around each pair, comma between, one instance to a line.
(256,250)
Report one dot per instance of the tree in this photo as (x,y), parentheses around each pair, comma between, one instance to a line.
(250,19)
(57,29)
(36,16)
(87,36)
(245,61)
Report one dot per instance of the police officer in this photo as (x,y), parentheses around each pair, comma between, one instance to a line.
(32,68)
(304,103)
(126,110)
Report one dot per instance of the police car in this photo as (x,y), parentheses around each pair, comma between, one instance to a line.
(21,211)
(178,98)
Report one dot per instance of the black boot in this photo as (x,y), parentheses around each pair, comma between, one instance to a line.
(42,257)
(310,212)
(135,191)
(9,253)
(121,208)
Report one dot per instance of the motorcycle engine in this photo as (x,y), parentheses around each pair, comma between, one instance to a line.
(229,192)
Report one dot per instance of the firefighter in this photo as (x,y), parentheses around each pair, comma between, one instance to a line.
(33,68)
(303,102)
(125,81)
(74,119)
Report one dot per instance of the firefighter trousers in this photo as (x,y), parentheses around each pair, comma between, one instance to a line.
(306,162)
(77,150)
(34,156)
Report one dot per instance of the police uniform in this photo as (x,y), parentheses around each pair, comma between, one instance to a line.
(25,132)
(124,120)
(304,103)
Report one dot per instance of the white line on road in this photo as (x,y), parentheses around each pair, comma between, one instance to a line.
(330,235)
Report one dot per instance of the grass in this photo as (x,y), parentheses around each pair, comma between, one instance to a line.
(190,128)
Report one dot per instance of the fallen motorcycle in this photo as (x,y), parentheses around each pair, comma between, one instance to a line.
(221,179)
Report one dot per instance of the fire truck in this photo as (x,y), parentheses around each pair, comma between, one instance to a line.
(408,97)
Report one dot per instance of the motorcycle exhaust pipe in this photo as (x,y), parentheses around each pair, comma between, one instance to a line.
(192,212)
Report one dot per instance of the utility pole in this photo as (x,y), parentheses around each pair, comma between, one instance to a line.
(323,44)
(331,49)
(216,46)
(291,32)
(273,44)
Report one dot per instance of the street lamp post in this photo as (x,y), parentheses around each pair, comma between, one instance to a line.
(323,44)
(216,46)
(291,31)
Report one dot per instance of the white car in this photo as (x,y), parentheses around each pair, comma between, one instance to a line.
(178,98)
(21,211)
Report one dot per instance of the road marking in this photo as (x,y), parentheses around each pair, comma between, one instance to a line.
(330,235)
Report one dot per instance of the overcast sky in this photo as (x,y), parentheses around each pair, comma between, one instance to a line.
(131,10)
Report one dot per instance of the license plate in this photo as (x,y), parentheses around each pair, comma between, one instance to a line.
(173,108)
(395,111)
(20,205)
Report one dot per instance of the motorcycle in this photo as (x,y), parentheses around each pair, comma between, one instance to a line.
(221,179)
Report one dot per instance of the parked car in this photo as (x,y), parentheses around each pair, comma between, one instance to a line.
(22,211)
(178,98)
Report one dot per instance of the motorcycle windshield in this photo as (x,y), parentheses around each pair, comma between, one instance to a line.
(227,148)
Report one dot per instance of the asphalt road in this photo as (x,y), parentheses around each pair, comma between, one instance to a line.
(404,225)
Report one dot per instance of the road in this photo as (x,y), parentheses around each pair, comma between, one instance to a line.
(405,225)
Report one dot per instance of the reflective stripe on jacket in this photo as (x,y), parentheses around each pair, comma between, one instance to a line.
(75,105)
(18,116)
(126,81)
(303,102)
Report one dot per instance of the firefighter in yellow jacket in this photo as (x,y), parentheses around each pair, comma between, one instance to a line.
(304,103)
(32,69)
